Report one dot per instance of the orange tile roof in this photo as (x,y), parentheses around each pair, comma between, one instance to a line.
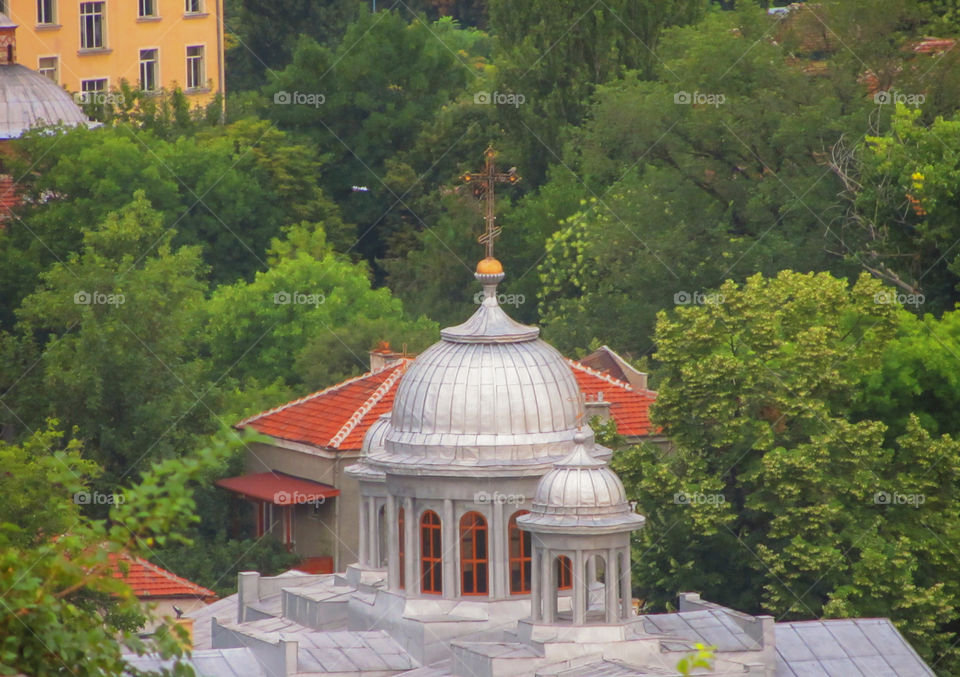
(338,417)
(629,407)
(150,581)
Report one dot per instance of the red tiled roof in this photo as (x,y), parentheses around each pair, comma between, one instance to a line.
(278,488)
(149,581)
(337,418)
(629,408)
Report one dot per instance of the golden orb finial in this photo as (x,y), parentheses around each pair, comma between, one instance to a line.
(489,266)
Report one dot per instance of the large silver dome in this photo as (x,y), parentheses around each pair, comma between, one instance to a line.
(28,99)
(489,395)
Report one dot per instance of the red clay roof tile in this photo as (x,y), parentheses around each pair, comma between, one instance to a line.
(338,417)
(150,581)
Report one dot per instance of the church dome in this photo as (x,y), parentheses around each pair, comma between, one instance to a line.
(28,99)
(489,395)
(581,492)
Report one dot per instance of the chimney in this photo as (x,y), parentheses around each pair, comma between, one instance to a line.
(8,41)
(383,355)
(597,407)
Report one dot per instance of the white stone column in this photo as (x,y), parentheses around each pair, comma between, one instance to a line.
(393,544)
(580,589)
(498,554)
(536,614)
(591,571)
(373,533)
(450,549)
(611,587)
(364,530)
(411,547)
(549,587)
(625,592)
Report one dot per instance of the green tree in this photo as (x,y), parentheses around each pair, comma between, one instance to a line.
(310,294)
(230,189)
(902,222)
(62,608)
(554,53)
(387,78)
(775,498)
(117,329)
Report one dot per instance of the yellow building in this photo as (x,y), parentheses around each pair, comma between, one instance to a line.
(152,44)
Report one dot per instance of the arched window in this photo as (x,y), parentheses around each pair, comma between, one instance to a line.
(401,554)
(564,573)
(431,554)
(520,559)
(473,554)
(382,536)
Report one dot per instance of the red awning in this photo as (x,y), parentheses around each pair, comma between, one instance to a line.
(278,488)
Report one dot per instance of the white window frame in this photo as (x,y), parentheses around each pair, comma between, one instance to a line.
(84,89)
(55,70)
(86,39)
(193,7)
(156,68)
(140,7)
(202,84)
(50,20)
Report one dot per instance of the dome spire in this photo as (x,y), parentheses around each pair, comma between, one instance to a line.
(484,184)
(490,324)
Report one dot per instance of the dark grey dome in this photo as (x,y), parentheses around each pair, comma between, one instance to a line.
(28,99)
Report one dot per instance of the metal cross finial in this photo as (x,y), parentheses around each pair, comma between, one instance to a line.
(483,189)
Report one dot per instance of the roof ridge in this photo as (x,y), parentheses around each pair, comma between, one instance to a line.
(328,389)
(166,573)
(599,374)
(365,408)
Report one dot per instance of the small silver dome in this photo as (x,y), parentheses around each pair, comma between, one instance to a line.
(581,492)
(372,442)
(28,99)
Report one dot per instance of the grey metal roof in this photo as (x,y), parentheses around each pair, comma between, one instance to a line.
(5,21)
(331,651)
(854,647)
(710,626)
(28,99)
(225,608)
(207,663)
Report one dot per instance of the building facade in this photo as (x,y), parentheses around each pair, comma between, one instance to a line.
(90,47)
(450,583)
(316,438)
